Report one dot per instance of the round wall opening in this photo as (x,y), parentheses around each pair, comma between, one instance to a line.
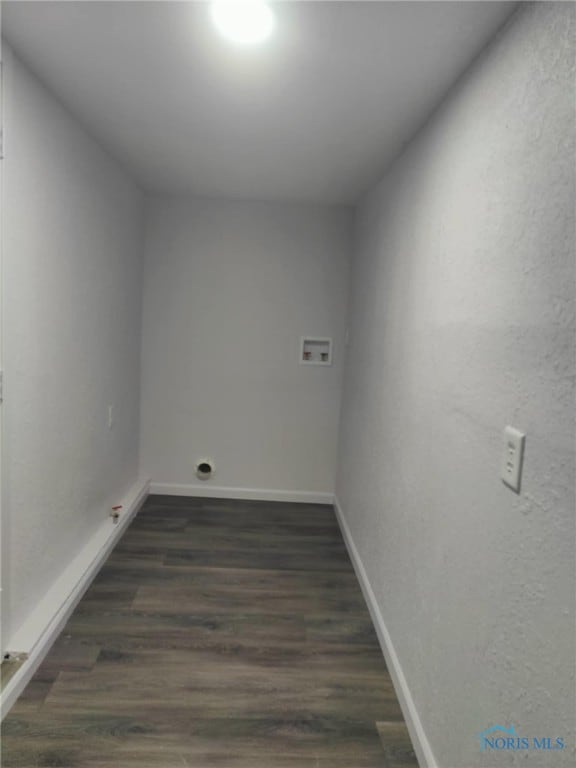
(204,469)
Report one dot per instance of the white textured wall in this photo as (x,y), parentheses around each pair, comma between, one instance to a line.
(462,321)
(72,263)
(229,289)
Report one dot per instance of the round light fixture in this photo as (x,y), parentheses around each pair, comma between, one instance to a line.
(245,22)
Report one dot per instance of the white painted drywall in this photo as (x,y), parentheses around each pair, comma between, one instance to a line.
(72,260)
(462,321)
(230,287)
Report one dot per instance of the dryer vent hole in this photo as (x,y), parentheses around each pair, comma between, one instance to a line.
(204,470)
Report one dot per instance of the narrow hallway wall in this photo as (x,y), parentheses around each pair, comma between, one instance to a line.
(462,322)
(72,268)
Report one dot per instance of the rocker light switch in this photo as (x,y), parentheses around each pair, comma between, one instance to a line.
(512,456)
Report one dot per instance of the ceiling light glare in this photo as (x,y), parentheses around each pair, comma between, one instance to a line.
(245,22)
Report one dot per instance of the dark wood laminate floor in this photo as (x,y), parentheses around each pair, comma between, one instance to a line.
(219,634)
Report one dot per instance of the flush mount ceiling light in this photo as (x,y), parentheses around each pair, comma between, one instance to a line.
(245,22)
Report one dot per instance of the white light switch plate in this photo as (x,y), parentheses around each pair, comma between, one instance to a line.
(512,457)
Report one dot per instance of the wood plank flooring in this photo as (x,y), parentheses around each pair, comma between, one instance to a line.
(219,634)
(9,665)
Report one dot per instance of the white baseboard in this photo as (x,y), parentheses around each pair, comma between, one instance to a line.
(255,494)
(36,636)
(420,742)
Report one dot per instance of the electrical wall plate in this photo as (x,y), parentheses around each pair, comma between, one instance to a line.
(315,350)
(512,458)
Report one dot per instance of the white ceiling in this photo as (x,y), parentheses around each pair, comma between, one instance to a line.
(316,114)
